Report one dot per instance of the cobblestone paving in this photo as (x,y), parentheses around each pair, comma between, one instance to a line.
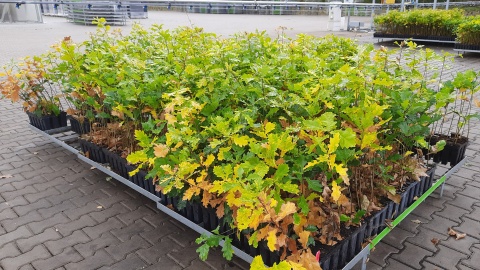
(58,213)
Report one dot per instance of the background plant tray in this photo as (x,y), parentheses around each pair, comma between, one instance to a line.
(48,122)
(467,48)
(200,218)
(416,38)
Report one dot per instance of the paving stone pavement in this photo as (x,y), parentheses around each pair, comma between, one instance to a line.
(57,213)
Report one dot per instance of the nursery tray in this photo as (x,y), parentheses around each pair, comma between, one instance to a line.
(69,140)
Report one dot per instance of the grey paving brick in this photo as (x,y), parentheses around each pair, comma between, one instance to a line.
(7,187)
(463,202)
(114,199)
(81,201)
(12,203)
(120,251)
(24,209)
(37,170)
(466,172)
(448,191)
(40,226)
(38,252)
(164,263)
(429,266)
(57,246)
(72,194)
(425,210)
(27,267)
(131,230)
(424,239)
(440,224)
(50,183)
(132,262)
(59,208)
(161,230)
(185,256)
(96,186)
(452,212)
(67,185)
(69,255)
(87,249)
(463,267)
(396,237)
(412,255)
(470,191)
(475,215)
(9,250)
(21,232)
(7,214)
(10,195)
(159,249)
(77,212)
(107,213)
(469,226)
(12,224)
(197,264)
(101,258)
(474,260)
(30,160)
(446,257)
(28,243)
(381,253)
(410,226)
(458,181)
(132,216)
(97,230)
(83,222)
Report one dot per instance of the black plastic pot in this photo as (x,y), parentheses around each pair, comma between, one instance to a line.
(79,128)
(460,46)
(48,122)
(453,152)
(92,151)
(117,163)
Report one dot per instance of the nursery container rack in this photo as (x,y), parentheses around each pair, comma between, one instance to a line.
(67,139)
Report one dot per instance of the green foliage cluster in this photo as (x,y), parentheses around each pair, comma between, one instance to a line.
(468,33)
(421,22)
(288,139)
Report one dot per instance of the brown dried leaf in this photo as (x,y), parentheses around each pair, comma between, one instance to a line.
(452,232)
(304,238)
(417,221)
(395,198)
(460,236)
(435,241)
(5,176)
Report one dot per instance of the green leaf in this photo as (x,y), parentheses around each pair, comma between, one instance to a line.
(358,216)
(296,219)
(227,248)
(281,172)
(142,138)
(344,218)
(203,251)
(326,122)
(303,204)
(347,138)
(314,185)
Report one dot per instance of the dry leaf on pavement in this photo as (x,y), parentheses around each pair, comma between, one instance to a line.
(417,221)
(435,241)
(457,235)
(5,176)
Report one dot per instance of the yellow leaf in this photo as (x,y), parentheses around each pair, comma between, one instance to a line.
(269,127)
(170,118)
(257,264)
(334,143)
(161,150)
(342,171)
(210,159)
(368,139)
(304,238)
(286,209)
(272,240)
(336,191)
(408,153)
(240,141)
